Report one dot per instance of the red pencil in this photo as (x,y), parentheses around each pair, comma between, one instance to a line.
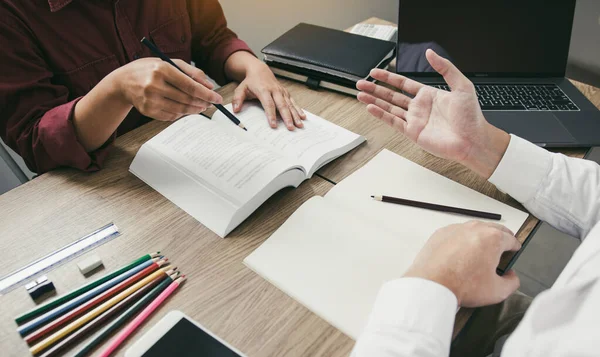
(81,309)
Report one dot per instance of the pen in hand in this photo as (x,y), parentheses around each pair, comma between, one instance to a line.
(156,51)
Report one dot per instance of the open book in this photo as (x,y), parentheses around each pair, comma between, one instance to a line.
(334,253)
(219,173)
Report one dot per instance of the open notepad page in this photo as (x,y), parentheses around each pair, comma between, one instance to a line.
(311,147)
(389,174)
(334,253)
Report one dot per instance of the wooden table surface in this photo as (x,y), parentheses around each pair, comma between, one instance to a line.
(221,293)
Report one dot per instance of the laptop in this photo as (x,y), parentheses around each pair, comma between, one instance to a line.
(515,52)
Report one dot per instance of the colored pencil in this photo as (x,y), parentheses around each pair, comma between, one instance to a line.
(137,321)
(165,58)
(63,345)
(61,309)
(74,325)
(88,305)
(62,299)
(123,318)
(440,208)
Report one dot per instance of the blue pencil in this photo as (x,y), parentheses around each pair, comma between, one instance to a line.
(59,310)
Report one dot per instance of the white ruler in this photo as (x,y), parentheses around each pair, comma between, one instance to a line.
(56,258)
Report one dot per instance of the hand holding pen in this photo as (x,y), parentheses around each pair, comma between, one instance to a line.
(157,52)
(160,91)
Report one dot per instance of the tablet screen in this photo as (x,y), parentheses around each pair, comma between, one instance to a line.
(186,339)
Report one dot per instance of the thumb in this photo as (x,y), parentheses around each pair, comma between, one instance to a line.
(239,96)
(509,284)
(455,79)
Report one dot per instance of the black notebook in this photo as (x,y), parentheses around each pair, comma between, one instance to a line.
(315,54)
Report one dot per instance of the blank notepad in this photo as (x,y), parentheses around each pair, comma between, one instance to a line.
(334,253)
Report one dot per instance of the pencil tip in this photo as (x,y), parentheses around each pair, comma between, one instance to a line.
(372,196)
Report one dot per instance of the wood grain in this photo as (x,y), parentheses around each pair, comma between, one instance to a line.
(221,292)
(60,206)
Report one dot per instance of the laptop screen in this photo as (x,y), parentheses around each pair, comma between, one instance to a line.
(507,38)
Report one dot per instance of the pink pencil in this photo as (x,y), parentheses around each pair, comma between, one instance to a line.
(133,325)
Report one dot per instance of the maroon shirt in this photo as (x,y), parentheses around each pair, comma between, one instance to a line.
(52,53)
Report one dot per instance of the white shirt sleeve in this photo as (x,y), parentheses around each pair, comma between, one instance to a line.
(562,191)
(411,317)
(414,317)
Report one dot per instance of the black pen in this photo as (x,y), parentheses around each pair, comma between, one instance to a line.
(436,207)
(164,57)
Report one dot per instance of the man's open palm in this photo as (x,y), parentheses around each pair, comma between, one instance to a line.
(447,124)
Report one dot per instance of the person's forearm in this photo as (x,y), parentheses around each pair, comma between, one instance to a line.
(239,64)
(99,113)
(484,157)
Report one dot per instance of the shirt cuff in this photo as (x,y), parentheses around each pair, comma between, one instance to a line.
(60,143)
(522,169)
(222,54)
(415,305)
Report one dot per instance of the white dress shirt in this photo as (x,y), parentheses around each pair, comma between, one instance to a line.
(414,317)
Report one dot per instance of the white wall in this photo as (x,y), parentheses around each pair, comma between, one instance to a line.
(258,22)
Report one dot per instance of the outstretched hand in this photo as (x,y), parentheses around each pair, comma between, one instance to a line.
(450,125)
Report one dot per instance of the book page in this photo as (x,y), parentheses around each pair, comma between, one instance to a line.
(332,262)
(334,253)
(221,159)
(392,175)
(306,146)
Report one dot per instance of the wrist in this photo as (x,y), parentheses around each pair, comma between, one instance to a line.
(240,64)
(488,151)
(115,90)
(444,280)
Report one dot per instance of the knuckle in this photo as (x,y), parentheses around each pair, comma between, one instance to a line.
(270,104)
(148,82)
(145,107)
(158,68)
(472,224)
(192,89)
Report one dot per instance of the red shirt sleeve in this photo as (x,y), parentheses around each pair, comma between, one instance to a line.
(212,41)
(36,115)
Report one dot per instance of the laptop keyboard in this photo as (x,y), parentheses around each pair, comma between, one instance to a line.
(525,97)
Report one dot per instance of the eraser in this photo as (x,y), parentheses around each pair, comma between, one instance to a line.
(89,264)
(40,287)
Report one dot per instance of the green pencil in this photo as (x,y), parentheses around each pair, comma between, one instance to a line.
(122,319)
(62,299)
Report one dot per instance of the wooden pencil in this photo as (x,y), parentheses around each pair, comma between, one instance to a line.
(81,299)
(139,319)
(90,304)
(74,325)
(440,208)
(123,318)
(95,324)
(62,299)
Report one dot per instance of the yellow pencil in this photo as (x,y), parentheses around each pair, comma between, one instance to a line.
(60,334)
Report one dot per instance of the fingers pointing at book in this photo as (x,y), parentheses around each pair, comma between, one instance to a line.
(261,84)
